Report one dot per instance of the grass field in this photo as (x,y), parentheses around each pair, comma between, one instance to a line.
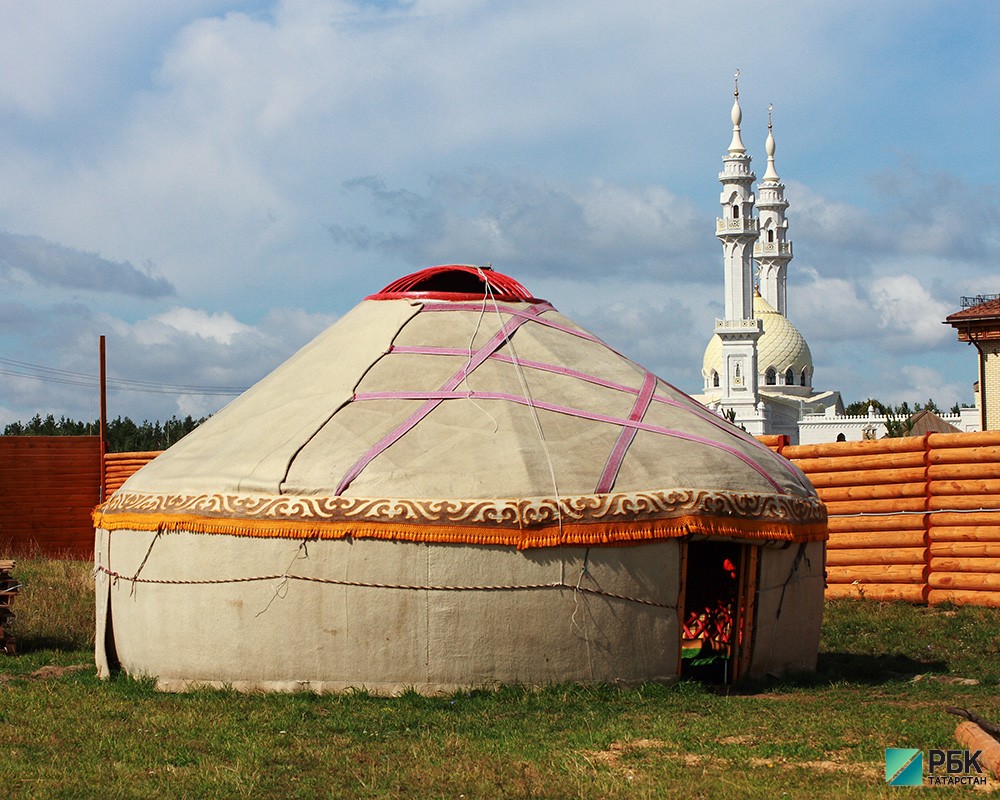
(886,674)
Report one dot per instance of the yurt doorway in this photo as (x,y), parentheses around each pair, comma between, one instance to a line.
(718,597)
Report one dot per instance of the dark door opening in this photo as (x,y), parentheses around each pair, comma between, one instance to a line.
(719,595)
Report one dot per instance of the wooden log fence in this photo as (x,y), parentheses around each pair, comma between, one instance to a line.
(915,518)
(119,467)
(49,486)
(9,588)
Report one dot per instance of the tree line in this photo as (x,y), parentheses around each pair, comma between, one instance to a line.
(860,408)
(122,436)
(898,418)
(125,436)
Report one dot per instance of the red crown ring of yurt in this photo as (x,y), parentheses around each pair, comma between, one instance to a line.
(456,282)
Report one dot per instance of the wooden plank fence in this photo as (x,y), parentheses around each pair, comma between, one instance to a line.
(48,487)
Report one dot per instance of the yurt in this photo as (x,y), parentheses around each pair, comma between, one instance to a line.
(456,486)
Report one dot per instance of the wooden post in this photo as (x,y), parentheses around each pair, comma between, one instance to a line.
(104,415)
(982,380)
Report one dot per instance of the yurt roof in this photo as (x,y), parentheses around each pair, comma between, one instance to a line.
(453,406)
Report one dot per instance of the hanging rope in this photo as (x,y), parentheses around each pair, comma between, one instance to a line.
(374,585)
(522,380)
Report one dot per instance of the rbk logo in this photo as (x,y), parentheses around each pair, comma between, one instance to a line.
(904,767)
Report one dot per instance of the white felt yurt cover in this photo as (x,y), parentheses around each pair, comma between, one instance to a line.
(452,408)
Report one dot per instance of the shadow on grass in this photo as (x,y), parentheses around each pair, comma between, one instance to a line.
(874,669)
(860,669)
(63,644)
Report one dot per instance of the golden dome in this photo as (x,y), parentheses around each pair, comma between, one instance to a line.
(780,347)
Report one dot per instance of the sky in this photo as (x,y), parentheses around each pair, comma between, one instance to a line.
(210,184)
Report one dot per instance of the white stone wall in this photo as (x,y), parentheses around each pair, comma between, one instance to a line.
(820,428)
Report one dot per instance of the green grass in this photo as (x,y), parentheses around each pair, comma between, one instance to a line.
(64,733)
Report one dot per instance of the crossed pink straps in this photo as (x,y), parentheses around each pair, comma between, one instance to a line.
(511,325)
(645,396)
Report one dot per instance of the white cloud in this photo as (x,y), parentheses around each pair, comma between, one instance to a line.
(537,226)
(181,361)
(55,57)
(919,384)
(924,218)
(219,327)
(828,308)
(909,316)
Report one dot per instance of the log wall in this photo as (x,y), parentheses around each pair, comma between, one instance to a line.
(914,519)
(118,467)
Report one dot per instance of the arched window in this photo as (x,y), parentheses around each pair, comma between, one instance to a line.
(770,235)
(715,378)
(789,377)
(736,211)
(805,376)
(841,437)
(770,377)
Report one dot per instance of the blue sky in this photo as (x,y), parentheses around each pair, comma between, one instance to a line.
(210,184)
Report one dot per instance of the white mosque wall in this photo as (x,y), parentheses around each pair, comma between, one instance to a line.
(819,428)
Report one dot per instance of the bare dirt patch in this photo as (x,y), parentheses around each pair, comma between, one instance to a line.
(612,756)
(57,672)
(45,673)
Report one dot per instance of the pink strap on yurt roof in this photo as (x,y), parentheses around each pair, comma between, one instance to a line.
(459,284)
(517,312)
(691,407)
(449,385)
(617,455)
(435,398)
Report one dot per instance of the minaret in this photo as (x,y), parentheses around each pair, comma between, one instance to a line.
(772,250)
(737,229)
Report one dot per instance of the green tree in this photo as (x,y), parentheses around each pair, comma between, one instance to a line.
(898,423)
(123,434)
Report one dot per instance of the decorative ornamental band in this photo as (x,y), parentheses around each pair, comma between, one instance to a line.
(525,522)
(773,248)
(742,225)
(738,324)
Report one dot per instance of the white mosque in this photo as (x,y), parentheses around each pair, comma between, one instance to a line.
(757,370)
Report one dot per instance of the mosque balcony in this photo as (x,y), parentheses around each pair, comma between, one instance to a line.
(770,200)
(749,226)
(779,249)
(737,167)
(738,328)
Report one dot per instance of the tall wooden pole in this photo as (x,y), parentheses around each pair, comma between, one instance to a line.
(104,416)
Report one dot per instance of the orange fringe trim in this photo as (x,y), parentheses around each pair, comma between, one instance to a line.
(569,533)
